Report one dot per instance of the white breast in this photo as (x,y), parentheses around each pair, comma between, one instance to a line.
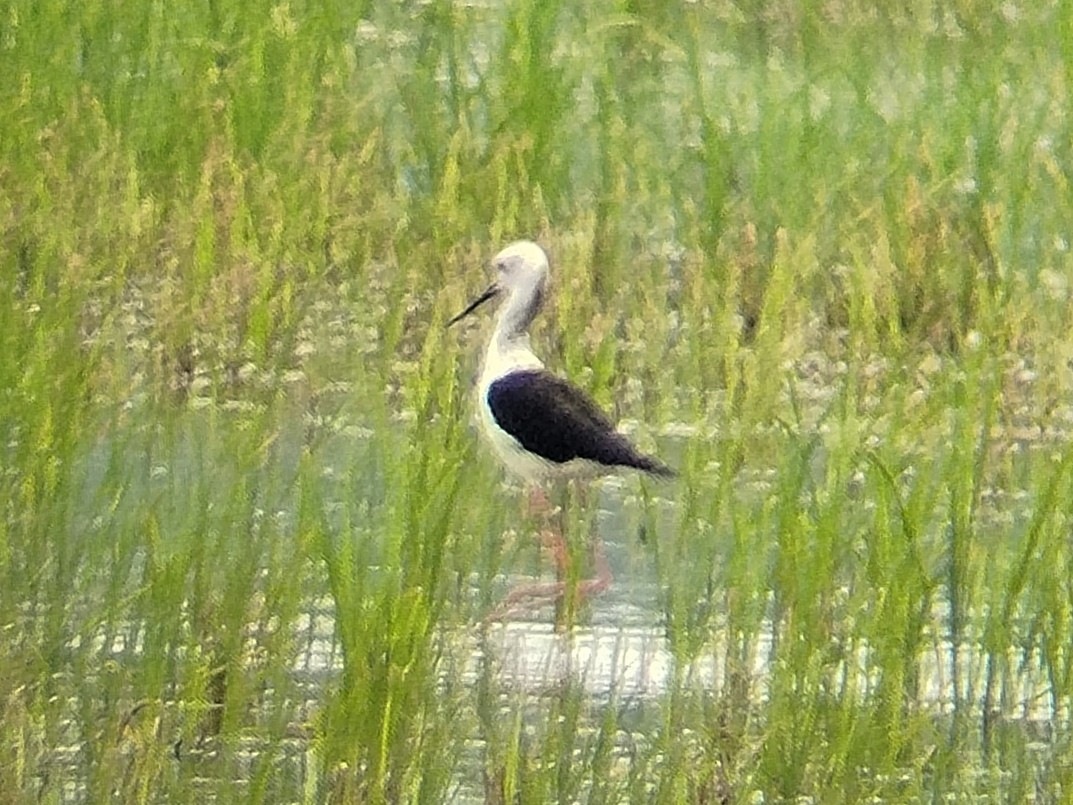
(505,355)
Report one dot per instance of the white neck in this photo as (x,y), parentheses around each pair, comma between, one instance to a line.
(518,312)
(506,352)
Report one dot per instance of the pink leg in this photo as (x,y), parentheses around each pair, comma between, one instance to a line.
(529,596)
(539,505)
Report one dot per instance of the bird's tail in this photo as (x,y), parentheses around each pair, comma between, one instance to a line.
(654,466)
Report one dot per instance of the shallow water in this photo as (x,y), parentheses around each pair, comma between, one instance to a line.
(618,656)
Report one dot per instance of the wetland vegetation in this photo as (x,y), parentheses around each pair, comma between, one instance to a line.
(816,256)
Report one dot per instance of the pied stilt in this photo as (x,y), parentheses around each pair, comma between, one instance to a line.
(542,427)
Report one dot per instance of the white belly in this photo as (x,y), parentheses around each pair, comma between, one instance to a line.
(526,466)
(505,356)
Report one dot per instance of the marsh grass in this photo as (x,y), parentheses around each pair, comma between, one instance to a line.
(831,247)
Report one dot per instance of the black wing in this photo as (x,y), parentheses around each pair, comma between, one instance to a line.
(559,422)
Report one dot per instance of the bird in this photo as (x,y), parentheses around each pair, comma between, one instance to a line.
(542,427)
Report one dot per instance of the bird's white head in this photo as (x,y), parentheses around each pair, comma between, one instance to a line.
(522,277)
(522,274)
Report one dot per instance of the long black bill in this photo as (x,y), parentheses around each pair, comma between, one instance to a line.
(476,303)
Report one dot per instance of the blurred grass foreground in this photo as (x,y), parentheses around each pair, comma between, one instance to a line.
(249,537)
